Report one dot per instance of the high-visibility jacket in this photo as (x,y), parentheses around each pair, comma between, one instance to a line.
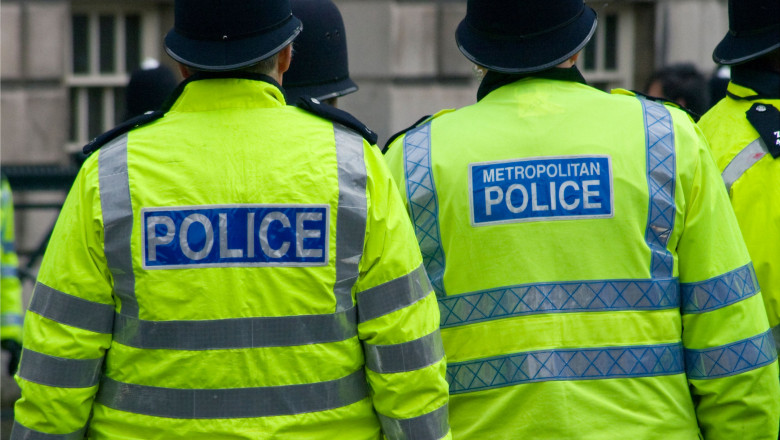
(752,176)
(591,276)
(11,288)
(235,269)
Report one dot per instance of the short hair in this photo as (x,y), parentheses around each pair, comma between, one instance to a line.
(264,67)
(683,82)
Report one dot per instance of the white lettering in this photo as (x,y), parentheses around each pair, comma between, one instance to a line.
(489,175)
(587,194)
(595,169)
(515,209)
(535,200)
(530,172)
(152,239)
(301,233)
(552,170)
(264,225)
(250,234)
(224,250)
(584,170)
(553,205)
(499,174)
(490,201)
(185,245)
(562,195)
(540,170)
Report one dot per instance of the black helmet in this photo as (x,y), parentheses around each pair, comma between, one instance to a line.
(215,35)
(319,66)
(754,30)
(524,36)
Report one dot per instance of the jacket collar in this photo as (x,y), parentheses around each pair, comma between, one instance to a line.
(755,84)
(200,88)
(494,80)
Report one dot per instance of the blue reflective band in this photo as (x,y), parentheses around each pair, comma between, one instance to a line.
(565,364)
(235,235)
(543,188)
(728,360)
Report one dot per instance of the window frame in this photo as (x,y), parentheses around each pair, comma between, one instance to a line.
(150,44)
(623,74)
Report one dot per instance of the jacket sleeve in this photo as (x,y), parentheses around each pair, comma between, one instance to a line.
(730,356)
(398,318)
(11,288)
(67,327)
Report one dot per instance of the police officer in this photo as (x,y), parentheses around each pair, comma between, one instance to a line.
(11,287)
(320,66)
(590,272)
(744,133)
(232,267)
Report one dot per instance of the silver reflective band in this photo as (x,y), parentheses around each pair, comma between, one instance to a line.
(408,356)
(574,296)
(729,288)
(431,426)
(21,432)
(117,220)
(71,310)
(352,213)
(743,161)
(661,175)
(10,319)
(728,360)
(275,331)
(565,364)
(393,295)
(423,202)
(8,246)
(233,403)
(59,372)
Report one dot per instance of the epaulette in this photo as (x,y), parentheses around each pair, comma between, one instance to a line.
(417,123)
(334,114)
(765,118)
(663,101)
(121,129)
(395,136)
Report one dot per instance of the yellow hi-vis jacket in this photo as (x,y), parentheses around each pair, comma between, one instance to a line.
(591,276)
(752,177)
(11,288)
(235,269)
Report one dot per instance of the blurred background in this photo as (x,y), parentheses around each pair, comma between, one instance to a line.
(65,66)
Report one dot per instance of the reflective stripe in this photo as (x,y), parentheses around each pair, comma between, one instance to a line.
(423,202)
(721,291)
(431,426)
(731,359)
(233,403)
(659,131)
(21,432)
(565,364)
(10,320)
(72,310)
(8,247)
(575,296)
(275,331)
(742,162)
(9,272)
(393,295)
(118,221)
(352,213)
(59,372)
(408,356)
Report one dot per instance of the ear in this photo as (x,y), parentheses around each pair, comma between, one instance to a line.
(285,58)
(575,57)
(185,71)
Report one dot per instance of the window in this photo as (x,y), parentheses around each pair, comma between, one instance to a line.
(607,60)
(107,44)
